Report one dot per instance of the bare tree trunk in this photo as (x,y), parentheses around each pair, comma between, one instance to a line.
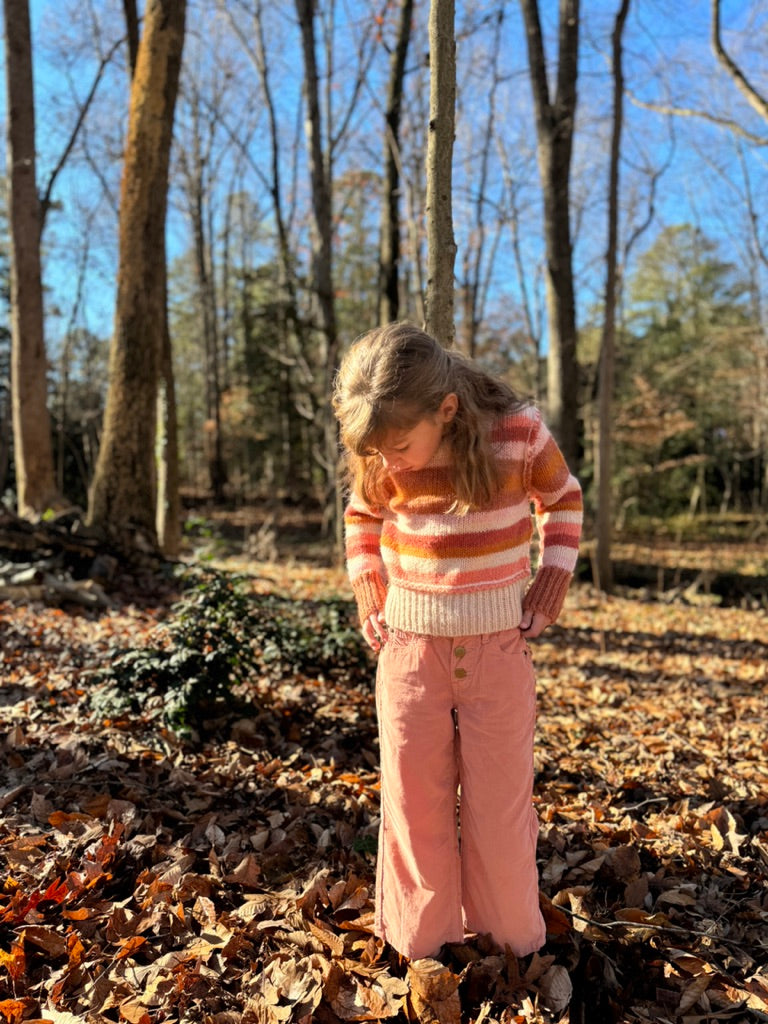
(217,474)
(474,284)
(123,491)
(608,345)
(168,514)
(389,245)
(532,314)
(322,263)
(293,331)
(5,436)
(441,245)
(554,136)
(290,320)
(320,172)
(33,449)
(168,502)
(64,362)
(286,260)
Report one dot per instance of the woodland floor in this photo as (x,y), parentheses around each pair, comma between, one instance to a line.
(147,879)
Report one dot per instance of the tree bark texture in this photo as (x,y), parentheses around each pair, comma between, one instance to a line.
(322,263)
(33,450)
(389,255)
(123,491)
(320,174)
(608,344)
(554,140)
(441,245)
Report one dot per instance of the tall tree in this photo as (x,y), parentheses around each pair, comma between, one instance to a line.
(321,181)
(482,239)
(441,245)
(555,117)
(198,169)
(168,505)
(123,494)
(288,344)
(389,243)
(33,450)
(168,501)
(320,169)
(608,344)
(5,349)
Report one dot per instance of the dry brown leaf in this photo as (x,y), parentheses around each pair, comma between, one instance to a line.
(693,993)
(556,988)
(651,788)
(434,992)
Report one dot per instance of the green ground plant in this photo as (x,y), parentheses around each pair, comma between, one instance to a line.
(218,641)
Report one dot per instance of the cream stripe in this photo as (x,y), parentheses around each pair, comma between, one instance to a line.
(456,568)
(473,522)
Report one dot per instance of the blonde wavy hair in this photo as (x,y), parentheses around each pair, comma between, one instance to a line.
(395,376)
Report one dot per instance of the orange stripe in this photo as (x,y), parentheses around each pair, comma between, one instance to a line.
(458,545)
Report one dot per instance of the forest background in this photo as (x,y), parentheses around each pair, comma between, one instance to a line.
(251,342)
(189,801)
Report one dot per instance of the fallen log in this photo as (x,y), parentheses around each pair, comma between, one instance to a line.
(62,561)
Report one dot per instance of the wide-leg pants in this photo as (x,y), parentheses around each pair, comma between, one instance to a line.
(457,716)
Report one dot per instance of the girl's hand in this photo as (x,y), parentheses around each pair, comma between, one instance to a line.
(375,631)
(533,624)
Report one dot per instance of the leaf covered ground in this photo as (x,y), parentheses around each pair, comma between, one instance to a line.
(226,878)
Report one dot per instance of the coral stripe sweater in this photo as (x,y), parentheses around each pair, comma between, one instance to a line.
(442,574)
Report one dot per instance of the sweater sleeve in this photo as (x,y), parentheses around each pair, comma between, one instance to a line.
(557,500)
(365,566)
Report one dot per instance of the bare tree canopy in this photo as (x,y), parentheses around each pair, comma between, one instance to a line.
(334,165)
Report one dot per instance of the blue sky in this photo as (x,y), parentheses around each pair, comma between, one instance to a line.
(668,60)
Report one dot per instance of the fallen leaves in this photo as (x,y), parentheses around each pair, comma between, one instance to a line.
(147,880)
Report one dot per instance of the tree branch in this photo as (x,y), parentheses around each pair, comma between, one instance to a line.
(722,122)
(753,97)
(45,201)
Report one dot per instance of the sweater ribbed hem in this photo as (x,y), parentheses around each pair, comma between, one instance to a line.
(452,614)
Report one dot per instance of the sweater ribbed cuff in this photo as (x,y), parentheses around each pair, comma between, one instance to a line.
(547,592)
(370,593)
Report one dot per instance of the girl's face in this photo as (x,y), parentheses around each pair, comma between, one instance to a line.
(413,449)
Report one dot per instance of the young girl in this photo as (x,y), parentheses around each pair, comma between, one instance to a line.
(444,462)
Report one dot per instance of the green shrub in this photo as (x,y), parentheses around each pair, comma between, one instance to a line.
(220,640)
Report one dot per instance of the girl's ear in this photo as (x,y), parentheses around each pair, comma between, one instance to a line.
(448,407)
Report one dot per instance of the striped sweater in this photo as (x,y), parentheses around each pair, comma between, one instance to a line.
(438,573)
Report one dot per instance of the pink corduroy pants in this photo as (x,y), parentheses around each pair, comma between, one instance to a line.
(457,716)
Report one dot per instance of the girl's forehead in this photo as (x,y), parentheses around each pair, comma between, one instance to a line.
(394,438)
(396,422)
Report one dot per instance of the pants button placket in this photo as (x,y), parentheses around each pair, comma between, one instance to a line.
(459,672)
